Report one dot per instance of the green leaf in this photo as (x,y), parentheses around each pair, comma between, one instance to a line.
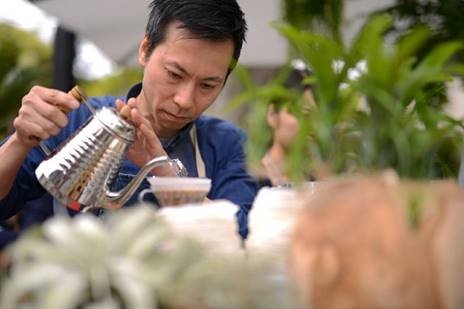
(428,70)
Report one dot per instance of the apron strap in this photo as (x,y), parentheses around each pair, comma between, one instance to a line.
(199,160)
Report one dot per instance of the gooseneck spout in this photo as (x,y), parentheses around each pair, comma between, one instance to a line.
(121,197)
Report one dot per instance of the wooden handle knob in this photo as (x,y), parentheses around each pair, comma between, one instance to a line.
(125,113)
(78,94)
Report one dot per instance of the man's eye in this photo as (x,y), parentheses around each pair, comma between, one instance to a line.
(174,75)
(208,86)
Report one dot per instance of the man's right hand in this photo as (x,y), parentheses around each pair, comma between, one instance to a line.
(42,114)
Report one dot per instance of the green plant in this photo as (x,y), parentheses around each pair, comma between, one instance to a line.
(115,84)
(390,116)
(442,17)
(130,260)
(273,92)
(378,105)
(24,62)
(326,16)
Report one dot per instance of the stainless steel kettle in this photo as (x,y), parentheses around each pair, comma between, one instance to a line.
(84,166)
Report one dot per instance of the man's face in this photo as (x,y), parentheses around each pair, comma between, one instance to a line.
(182,78)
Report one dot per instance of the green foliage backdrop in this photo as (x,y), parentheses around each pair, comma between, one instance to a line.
(390,116)
(24,62)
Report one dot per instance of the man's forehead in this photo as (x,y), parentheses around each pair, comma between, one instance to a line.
(182,51)
(206,76)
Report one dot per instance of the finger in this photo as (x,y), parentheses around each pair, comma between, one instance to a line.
(29,131)
(55,97)
(119,104)
(42,112)
(51,125)
(147,132)
(132,103)
(138,119)
(152,139)
(144,139)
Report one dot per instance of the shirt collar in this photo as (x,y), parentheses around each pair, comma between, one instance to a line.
(133,92)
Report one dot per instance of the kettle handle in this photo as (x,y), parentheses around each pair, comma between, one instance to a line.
(44,148)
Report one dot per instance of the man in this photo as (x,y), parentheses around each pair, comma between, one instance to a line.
(189,48)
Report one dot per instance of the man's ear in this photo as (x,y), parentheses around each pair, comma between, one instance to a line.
(271,116)
(143,51)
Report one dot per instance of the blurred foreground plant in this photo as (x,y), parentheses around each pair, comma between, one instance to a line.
(130,260)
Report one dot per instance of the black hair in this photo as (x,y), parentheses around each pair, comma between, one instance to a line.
(216,20)
(295,79)
(293,85)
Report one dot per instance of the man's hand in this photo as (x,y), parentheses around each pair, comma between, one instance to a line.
(147,145)
(42,114)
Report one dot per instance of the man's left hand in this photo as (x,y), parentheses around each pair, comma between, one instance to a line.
(147,145)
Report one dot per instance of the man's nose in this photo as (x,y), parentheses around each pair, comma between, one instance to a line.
(185,95)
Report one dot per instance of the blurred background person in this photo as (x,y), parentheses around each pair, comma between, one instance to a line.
(284,126)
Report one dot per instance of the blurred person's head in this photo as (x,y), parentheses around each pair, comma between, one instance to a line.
(283,124)
(296,81)
(282,118)
(283,121)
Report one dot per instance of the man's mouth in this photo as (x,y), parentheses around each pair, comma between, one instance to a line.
(175,117)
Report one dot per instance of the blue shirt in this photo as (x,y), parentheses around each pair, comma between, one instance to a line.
(221,147)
